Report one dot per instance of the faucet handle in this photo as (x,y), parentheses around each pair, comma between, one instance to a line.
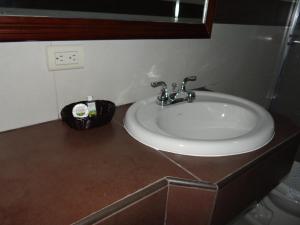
(185,80)
(190,78)
(164,95)
(158,83)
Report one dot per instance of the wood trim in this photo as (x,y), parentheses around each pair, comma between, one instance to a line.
(17,28)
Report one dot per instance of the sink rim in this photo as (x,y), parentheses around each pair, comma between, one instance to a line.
(261,134)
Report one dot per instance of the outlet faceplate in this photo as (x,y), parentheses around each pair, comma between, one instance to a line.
(65,57)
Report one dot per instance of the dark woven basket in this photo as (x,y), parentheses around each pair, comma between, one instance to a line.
(105,111)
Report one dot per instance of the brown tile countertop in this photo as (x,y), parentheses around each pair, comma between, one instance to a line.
(52,174)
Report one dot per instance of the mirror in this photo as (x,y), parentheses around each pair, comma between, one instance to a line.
(106,19)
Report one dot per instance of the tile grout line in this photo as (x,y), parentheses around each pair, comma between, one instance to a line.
(180,166)
(166,206)
(55,90)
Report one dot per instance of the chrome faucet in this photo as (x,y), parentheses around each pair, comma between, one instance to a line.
(177,95)
(163,99)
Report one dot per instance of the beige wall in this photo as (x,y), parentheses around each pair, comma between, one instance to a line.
(239,60)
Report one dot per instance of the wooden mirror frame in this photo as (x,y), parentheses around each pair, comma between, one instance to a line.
(17,28)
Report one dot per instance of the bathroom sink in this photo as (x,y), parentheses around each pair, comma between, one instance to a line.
(214,124)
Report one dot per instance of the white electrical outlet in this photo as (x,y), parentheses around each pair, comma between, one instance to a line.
(65,57)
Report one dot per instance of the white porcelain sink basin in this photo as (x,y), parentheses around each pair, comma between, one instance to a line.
(214,124)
